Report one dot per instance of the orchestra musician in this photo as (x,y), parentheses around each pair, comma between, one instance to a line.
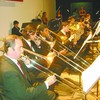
(82,12)
(41,47)
(57,65)
(16,29)
(44,18)
(14,78)
(64,34)
(87,23)
(29,36)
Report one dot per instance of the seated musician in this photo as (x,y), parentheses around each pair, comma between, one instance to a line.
(76,28)
(64,35)
(88,23)
(78,33)
(29,36)
(82,12)
(16,29)
(40,47)
(57,64)
(14,79)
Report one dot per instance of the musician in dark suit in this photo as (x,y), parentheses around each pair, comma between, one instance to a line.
(32,44)
(14,79)
(16,30)
(64,35)
(57,65)
(30,41)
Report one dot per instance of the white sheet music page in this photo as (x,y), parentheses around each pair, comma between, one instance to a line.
(91,75)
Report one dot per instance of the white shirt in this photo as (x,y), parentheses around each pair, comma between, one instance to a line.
(63,32)
(29,43)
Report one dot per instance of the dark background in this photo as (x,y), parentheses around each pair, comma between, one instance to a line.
(66,7)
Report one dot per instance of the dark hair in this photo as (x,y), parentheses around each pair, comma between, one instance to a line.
(64,24)
(29,29)
(43,13)
(15,22)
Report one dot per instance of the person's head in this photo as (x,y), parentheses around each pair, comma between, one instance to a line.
(15,23)
(29,31)
(65,27)
(44,14)
(88,16)
(13,46)
(43,30)
(71,19)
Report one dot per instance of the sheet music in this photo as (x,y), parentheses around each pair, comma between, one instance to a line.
(91,75)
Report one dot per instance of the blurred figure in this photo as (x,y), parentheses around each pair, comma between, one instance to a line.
(31,43)
(65,37)
(82,12)
(14,78)
(88,22)
(59,15)
(73,27)
(32,36)
(29,40)
(44,18)
(57,65)
(16,30)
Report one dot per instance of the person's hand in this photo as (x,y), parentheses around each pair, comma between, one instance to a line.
(71,37)
(51,80)
(26,60)
(64,51)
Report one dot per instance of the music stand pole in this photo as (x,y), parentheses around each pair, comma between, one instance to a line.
(89,37)
(97,90)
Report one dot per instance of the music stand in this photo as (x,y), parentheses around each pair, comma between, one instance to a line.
(91,75)
(97,30)
(90,36)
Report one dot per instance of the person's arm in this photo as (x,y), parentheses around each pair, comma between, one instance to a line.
(20,88)
(50,80)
